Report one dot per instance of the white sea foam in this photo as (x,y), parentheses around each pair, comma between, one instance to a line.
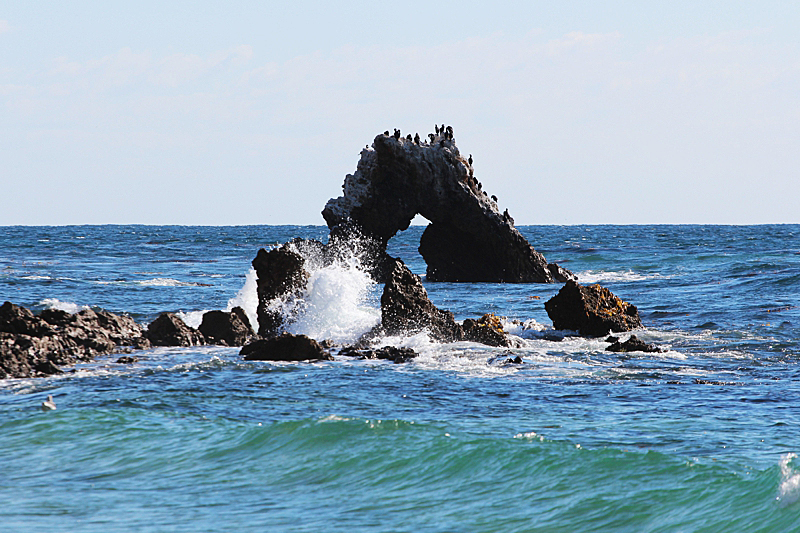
(247,298)
(602,276)
(336,304)
(789,489)
(193,319)
(69,307)
(166,282)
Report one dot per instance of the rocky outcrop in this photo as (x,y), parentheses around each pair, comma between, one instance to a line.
(488,330)
(169,330)
(406,309)
(388,353)
(226,328)
(468,238)
(633,344)
(33,345)
(281,275)
(591,310)
(285,347)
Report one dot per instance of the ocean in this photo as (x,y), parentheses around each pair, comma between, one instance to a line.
(700,438)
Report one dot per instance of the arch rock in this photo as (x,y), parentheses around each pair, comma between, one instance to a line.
(468,239)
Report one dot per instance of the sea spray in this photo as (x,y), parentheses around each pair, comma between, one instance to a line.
(338,303)
(247,298)
(789,489)
(69,307)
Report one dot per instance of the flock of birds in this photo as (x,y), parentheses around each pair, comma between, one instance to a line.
(446,134)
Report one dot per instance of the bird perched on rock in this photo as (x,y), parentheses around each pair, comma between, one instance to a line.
(494,198)
(470,160)
(437,128)
(397,134)
(49,404)
(432,136)
(386,133)
(408,137)
(416,138)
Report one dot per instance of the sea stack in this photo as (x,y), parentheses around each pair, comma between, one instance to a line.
(468,238)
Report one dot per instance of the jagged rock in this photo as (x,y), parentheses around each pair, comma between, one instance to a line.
(286,347)
(33,345)
(488,330)
(406,308)
(468,238)
(390,353)
(169,330)
(561,274)
(230,329)
(21,321)
(280,275)
(591,310)
(127,359)
(505,360)
(633,344)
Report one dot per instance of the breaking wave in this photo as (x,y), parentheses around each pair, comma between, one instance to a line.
(339,303)
(69,307)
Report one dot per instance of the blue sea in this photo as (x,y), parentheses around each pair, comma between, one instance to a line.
(700,438)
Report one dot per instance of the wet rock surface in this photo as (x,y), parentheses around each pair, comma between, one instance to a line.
(169,330)
(468,238)
(591,310)
(226,328)
(281,275)
(633,344)
(406,308)
(33,345)
(285,347)
(389,353)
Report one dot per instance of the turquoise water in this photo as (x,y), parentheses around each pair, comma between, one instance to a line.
(700,438)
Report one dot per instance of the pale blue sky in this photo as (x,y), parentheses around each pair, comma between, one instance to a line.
(253,112)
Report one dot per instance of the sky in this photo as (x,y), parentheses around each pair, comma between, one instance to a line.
(253,112)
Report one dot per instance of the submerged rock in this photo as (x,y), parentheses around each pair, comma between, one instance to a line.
(389,353)
(33,345)
(226,328)
(169,330)
(468,238)
(591,310)
(285,347)
(633,344)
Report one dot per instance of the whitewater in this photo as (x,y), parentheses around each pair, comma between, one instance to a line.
(702,437)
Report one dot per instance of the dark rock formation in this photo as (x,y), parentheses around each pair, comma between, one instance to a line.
(33,345)
(633,344)
(280,276)
(468,238)
(406,308)
(488,330)
(592,311)
(169,330)
(286,347)
(389,353)
(229,329)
